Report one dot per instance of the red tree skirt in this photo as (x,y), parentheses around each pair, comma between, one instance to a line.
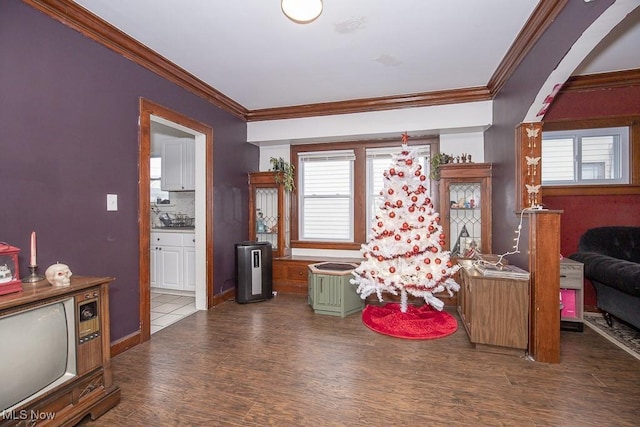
(418,323)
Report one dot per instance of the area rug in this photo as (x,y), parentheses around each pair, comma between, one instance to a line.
(418,323)
(624,336)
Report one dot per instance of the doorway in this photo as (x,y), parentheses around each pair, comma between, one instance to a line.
(203,135)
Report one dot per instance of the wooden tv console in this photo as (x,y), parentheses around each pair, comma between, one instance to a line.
(92,391)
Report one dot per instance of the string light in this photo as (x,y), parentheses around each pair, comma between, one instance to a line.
(516,246)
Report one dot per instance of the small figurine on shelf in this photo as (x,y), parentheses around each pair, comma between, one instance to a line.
(58,274)
(5,274)
(261,227)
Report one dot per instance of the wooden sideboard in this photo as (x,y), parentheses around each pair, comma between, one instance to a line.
(91,390)
(494,311)
(290,274)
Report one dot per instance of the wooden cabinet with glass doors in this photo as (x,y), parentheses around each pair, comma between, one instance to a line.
(269,213)
(465,208)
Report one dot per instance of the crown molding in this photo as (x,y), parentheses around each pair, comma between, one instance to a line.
(372,104)
(602,81)
(78,18)
(541,18)
(88,24)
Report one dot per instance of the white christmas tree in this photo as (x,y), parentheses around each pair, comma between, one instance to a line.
(405,252)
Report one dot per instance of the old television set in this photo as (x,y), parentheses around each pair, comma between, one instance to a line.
(40,347)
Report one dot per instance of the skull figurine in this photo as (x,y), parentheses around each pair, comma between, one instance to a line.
(58,274)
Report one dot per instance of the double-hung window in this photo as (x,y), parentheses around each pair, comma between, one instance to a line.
(378,161)
(586,156)
(338,189)
(326,190)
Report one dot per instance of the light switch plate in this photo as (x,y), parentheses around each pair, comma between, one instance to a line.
(112,202)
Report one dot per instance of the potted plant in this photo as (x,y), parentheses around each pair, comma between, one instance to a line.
(284,172)
(437,160)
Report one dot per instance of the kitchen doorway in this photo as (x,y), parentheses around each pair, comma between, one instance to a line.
(151,113)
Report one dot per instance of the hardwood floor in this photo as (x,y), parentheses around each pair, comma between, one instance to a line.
(277,363)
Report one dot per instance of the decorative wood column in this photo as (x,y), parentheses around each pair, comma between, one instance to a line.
(544,294)
(528,165)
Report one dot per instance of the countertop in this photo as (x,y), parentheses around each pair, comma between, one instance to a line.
(173,230)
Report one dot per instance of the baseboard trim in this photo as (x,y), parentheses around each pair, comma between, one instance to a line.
(125,343)
(228,295)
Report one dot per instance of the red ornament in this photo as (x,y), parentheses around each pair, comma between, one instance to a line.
(423,177)
(427,261)
(421,218)
(399,203)
(417,268)
(392,171)
(405,225)
(443,271)
(380,258)
(392,269)
(390,191)
(414,198)
(400,174)
(376,248)
(417,173)
(409,162)
(431,228)
(398,237)
(392,214)
(412,208)
(429,276)
(438,261)
(449,264)
(417,237)
(416,249)
(442,236)
(427,201)
(434,249)
(405,187)
(380,223)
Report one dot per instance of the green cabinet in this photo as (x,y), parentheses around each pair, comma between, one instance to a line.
(330,291)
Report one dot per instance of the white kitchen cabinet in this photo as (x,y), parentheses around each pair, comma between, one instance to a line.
(189,242)
(173,261)
(178,165)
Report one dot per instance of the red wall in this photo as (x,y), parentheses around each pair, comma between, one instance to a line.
(584,212)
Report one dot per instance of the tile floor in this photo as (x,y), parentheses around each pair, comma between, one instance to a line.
(167,309)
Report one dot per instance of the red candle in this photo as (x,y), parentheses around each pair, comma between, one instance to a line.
(33,249)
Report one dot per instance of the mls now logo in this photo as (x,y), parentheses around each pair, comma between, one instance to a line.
(28,415)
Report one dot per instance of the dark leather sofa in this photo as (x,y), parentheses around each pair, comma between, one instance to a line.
(611,258)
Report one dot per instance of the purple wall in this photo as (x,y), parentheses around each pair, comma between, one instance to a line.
(69,135)
(510,108)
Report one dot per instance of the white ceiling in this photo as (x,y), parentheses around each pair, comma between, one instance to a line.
(249,51)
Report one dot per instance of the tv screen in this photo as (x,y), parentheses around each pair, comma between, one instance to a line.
(38,352)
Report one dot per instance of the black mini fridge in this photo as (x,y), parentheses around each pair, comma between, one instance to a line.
(254,272)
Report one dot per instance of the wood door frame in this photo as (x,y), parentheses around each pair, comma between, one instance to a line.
(148,109)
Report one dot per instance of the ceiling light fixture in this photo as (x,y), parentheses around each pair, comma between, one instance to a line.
(302,11)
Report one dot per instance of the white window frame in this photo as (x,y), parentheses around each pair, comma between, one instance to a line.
(164,195)
(422,152)
(305,157)
(622,154)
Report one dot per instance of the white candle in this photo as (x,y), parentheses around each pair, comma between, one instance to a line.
(33,248)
